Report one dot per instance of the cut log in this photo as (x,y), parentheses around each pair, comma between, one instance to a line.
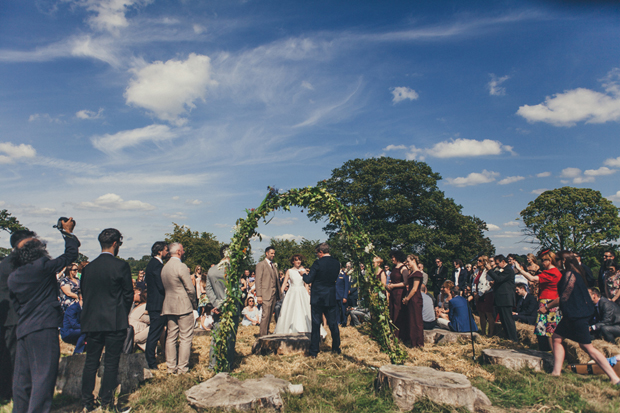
(282,344)
(409,383)
(228,393)
(441,336)
(518,359)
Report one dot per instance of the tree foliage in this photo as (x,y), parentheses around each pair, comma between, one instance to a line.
(9,223)
(285,249)
(400,205)
(201,248)
(571,218)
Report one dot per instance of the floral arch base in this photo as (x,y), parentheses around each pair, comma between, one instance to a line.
(318,200)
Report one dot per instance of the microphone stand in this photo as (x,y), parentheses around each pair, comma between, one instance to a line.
(471,330)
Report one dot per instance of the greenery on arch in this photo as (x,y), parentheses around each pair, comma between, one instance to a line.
(315,200)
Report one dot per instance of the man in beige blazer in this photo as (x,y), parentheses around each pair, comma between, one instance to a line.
(267,288)
(179,305)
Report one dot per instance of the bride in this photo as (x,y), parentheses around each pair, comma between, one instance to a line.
(295,313)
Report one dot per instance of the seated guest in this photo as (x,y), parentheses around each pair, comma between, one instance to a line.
(206,319)
(527,306)
(458,314)
(139,320)
(251,316)
(612,281)
(71,330)
(428,313)
(69,286)
(606,320)
(444,295)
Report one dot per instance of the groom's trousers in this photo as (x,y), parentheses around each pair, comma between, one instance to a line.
(331,315)
(268,307)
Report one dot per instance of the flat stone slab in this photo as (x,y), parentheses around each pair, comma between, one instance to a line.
(282,344)
(409,383)
(132,370)
(441,336)
(518,359)
(228,393)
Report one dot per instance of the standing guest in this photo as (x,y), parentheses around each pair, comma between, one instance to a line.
(612,281)
(69,287)
(470,273)
(587,271)
(607,256)
(504,290)
(577,308)
(178,307)
(250,313)
(140,282)
(377,263)
(460,275)
(267,288)
(424,275)
(534,269)
(513,263)
(216,292)
(548,312)
(414,302)
(8,318)
(196,277)
(527,306)
(397,287)
(108,295)
(483,297)
(439,276)
(428,310)
(71,330)
(139,320)
(34,291)
(155,294)
(388,273)
(606,317)
(343,285)
(203,300)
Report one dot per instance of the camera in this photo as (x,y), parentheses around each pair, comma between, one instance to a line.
(58,225)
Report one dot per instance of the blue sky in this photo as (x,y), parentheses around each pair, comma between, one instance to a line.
(138,113)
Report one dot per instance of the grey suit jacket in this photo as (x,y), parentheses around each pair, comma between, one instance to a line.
(216,287)
(267,281)
(180,296)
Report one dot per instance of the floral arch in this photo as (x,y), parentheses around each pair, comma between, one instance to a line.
(316,200)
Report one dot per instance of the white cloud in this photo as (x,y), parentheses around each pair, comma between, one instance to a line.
(395,148)
(614,198)
(193,202)
(603,170)
(473,178)
(543,174)
(278,222)
(142,179)
(572,106)
(123,139)
(583,179)
(89,114)
(508,234)
(176,215)
(175,197)
(307,85)
(613,162)
(578,178)
(510,180)
(570,173)
(289,237)
(169,89)
(221,225)
(539,191)
(455,148)
(44,116)
(494,85)
(109,14)
(401,93)
(511,224)
(198,29)
(492,227)
(113,202)
(10,152)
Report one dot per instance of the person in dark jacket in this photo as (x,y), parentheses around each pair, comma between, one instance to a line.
(504,291)
(8,320)
(71,330)
(343,284)
(34,291)
(155,299)
(590,281)
(458,313)
(322,277)
(108,295)
(460,275)
(606,320)
(439,276)
(527,306)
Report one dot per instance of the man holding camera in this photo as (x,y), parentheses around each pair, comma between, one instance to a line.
(34,291)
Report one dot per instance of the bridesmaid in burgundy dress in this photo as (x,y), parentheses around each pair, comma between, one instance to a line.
(413,303)
(397,292)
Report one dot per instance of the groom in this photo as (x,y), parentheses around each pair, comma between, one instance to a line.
(323,275)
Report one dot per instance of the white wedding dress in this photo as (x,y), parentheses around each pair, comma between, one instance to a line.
(295,312)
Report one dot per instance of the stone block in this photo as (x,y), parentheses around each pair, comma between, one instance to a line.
(518,359)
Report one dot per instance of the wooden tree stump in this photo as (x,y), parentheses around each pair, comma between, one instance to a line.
(441,336)
(409,383)
(228,393)
(518,359)
(282,344)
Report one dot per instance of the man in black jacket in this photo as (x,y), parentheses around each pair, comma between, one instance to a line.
(107,291)
(439,276)
(154,299)
(322,276)
(34,291)
(504,291)
(527,306)
(606,320)
(8,320)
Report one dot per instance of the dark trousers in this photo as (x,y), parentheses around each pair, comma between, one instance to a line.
(430,325)
(331,315)
(508,323)
(36,368)
(610,333)
(76,338)
(95,342)
(8,347)
(342,315)
(156,327)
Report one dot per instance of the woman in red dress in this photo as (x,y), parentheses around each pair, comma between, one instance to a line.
(413,301)
(396,287)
